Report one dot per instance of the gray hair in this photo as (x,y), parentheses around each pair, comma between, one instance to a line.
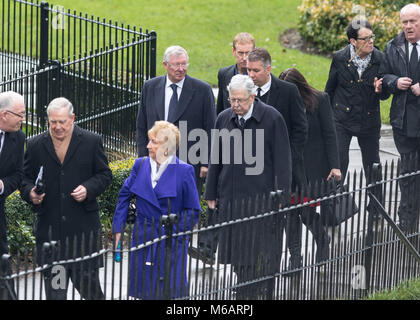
(409,7)
(59,103)
(241,82)
(174,51)
(8,99)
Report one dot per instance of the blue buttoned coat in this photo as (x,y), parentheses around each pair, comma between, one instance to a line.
(175,188)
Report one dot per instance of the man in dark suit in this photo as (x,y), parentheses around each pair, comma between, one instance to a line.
(75,172)
(12,114)
(183,100)
(285,97)
(263,132)
(243,43)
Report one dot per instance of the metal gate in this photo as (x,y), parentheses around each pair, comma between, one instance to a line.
(100,66)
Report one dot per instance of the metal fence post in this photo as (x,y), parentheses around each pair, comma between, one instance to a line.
(6,290)
(153,52)
(168,222)
(43,39)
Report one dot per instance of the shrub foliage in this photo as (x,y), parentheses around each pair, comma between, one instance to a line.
(323,22)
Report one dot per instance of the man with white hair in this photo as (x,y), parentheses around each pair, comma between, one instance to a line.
(12,114)
(250,129)
(401,76)
(177,98)
(75,172)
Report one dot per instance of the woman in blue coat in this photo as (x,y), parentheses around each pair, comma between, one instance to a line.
(161,183)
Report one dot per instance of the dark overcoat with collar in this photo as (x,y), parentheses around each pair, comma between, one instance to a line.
(229,182)
(195,107)
(11,172)
(354,101)
(285,97)
(224,76)
(85,164)
(395,66)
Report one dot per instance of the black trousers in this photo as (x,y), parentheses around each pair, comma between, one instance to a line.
(86,281)
(369,147)
(409,149)
(7,288)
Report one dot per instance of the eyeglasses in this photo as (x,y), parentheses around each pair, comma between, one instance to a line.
(239,101)
(371,37)
(178,65)
(16,114)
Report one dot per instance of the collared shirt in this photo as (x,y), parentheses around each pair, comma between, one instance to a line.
(155,172)
(265,88)
(247,115)
(169,92)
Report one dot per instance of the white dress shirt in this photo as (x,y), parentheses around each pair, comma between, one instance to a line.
(265,88)
(410,48)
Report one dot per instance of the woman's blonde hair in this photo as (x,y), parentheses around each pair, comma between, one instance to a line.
(166,133)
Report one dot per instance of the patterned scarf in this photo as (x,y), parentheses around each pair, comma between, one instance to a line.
(361,64)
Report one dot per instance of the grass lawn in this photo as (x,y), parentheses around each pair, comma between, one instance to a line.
(206,29)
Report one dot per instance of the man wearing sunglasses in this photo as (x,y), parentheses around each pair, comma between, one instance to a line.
(12,114)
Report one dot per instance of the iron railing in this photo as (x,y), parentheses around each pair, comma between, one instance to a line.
(367,252)
(100,66)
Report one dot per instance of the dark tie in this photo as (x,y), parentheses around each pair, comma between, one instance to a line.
(413,64)
(173,103)
(259,92)
(241,122)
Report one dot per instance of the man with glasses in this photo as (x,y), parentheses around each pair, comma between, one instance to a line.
(258,130)
(12,114)
(285,97)
(177,98)
(401,78)
(243,43)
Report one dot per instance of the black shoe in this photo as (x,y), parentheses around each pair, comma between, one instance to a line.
(294,268)
(204,255)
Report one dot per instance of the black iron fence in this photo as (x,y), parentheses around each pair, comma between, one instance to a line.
(100,66)
(365,253)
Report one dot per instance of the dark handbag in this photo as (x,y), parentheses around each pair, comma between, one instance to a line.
(340,208)
(132,209)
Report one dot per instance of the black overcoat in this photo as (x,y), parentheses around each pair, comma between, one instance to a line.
(85,164)
(11,172)
(223,79)
(230,184)
(321,149)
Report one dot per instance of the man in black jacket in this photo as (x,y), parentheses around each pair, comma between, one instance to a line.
(285,97)
(355,93)
(255,128)
(75,172)
(243,43)
(401,78)
(12,114)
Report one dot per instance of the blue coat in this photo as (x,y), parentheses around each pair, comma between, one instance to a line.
(176,186)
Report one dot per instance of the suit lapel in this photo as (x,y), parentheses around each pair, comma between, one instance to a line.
(74,143)
(142,186)
(166,186)
(159,94)
(185,98)
(9,143)
(48,145)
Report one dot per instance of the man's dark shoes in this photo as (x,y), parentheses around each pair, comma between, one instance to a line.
(205,255)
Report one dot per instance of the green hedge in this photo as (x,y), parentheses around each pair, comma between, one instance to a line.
(323,22)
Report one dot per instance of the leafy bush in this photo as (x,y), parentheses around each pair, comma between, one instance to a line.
(20,221)
(324,22)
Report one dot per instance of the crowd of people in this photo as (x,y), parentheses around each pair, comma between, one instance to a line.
(295,134)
